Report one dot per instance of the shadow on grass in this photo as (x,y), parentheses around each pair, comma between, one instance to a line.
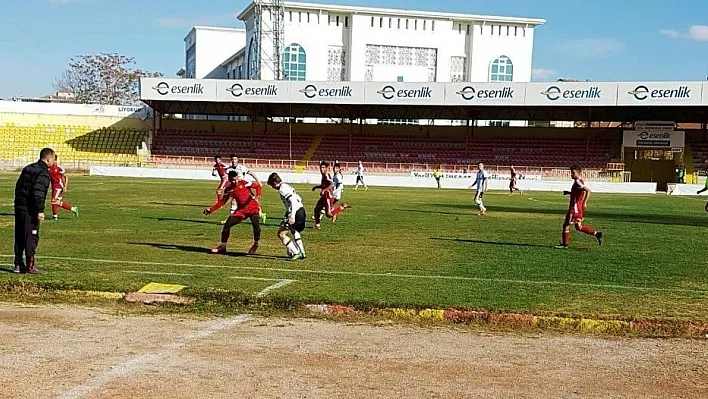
(200,221)
(6,214)
(189,248)
(171,204)
(656,219)
(506,244)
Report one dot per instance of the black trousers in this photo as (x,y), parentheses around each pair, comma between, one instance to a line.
(26,238)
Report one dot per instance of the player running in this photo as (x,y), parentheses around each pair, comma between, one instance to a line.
(220,170)
(360,177)
(704,189)
(243,170)
(338,189)
(481,183)
(512,182)
(60,181)
(245,194)
(294,220)
(326,200)
(579,194)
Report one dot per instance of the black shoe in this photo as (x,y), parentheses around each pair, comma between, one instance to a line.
(599,235)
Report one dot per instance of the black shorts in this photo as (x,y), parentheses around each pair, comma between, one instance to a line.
(360,179)
(299,225)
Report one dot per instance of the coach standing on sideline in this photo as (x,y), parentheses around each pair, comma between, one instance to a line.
(30,195)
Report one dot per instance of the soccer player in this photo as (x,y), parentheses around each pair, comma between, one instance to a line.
(294,220)
(245,193)
(243,169)
(59,184)
(579,194)
(512,182)
(220,170)
(338,190)
(326,200)
(360,177)
(481,183)
(705,189)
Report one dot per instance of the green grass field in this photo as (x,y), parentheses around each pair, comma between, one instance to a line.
(395,247)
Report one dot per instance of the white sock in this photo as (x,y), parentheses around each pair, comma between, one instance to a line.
(289,245)
(298,242)
(234,207)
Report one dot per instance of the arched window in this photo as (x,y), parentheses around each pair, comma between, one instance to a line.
(252,71)
(294,62)
(502,70)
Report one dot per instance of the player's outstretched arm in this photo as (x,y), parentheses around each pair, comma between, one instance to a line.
(701,191)
(217,205)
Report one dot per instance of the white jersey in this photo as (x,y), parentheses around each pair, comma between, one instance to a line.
(481,180)
(241,170)
(338,186)
(360,170)
(291,200)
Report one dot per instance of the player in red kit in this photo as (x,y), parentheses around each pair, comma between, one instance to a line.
(59,184)
(245,194)
(326,201)
(219,169)
(579,194)
(512,182)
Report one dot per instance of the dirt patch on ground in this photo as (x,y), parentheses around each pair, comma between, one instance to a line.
(72,352)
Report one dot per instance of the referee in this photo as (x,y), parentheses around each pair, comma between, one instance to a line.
(30,195)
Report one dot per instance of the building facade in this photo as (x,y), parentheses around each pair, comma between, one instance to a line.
(318,42)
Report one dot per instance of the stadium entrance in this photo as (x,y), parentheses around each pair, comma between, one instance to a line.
(653,152)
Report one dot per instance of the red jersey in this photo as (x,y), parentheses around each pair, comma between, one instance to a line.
(241,193)
(577,194)
(220,168)
(327,181)
(56,173)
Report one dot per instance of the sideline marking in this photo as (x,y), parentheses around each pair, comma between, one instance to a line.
(138,362)
(390,275)
(156,273)
(275,286)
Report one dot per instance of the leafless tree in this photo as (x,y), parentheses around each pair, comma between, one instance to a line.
(104,78)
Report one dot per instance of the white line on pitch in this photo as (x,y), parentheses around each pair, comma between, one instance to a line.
(156,273)
(255,278)
(389,275)
(275,286)
(135,364)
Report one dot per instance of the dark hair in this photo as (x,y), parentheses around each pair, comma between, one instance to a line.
(274,179)
(324,163)
(233,156)
(232,173)
(46,153)
(576,168)
(217,157)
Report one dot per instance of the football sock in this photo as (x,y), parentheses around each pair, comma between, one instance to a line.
(55,209)
(225,234)
(66,205)
(289,245)
(298,242)
(565,239)
(588,230)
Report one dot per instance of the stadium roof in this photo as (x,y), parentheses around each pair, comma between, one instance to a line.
(400,12)
(571,101)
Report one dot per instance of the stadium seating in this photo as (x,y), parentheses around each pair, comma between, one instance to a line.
(387,149)
(78,144)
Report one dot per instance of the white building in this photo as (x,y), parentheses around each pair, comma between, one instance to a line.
(319,42)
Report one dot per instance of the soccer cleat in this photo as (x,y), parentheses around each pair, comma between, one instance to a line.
(219,249)
(334,218)
(55,217)
(316,227)
(33,270)
(75,211)
(561,246)
(298,256)
(264,217)
(599,236)
(253,249)
(17,269)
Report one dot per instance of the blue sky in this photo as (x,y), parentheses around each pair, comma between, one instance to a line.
(600,40)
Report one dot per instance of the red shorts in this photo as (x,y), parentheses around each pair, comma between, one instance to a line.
(326,201)
(57,192)
(575,214)
(223,183)
(253,208)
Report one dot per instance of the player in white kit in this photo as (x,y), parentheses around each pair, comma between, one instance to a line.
(360,177)
(294,220)
(338,186)
(481,183)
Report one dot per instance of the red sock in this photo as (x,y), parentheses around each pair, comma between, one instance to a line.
(588,230)
(337,210)
(66,205)
(565,238)
(225,235)
(55,209)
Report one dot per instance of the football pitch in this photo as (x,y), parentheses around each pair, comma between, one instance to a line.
(395,247)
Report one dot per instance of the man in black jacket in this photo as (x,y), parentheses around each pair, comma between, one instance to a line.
(30,194)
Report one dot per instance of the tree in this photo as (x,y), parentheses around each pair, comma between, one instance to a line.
(110,79)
